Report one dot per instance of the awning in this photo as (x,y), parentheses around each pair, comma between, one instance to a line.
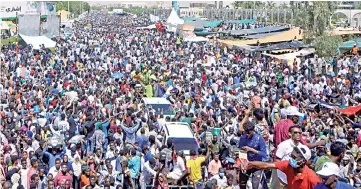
(36,41)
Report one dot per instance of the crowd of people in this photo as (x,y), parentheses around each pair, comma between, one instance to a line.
(74,117)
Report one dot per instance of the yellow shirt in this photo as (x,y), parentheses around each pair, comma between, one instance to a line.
(194,166)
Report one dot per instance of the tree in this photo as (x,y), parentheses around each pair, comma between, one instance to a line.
(284,6)
(75,7)
(271,5)
(313,18)
(248,4)
(327,46)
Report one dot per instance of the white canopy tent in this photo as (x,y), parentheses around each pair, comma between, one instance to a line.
(36,41)
(174,19)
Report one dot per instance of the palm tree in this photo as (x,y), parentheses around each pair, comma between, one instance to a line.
(248,4)
(284,6)
(271,5)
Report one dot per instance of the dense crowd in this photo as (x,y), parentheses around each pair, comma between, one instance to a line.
(74,117)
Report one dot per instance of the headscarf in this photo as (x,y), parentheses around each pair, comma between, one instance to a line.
(15,180)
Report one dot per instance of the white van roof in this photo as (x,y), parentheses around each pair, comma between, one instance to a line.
(178,130)
(156,100)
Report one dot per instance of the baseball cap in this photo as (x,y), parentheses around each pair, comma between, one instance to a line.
(305,151)
(328,169)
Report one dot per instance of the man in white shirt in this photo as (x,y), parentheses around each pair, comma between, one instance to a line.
(179,169)
(55,169)
(148,172)
(221,178)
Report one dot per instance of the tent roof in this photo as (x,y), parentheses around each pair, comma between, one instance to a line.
(266,29)
(36,41)
(261,35)
(283,45)
(198,25)
(189,19)
(284,36)
(291,56)
(350,44)
(174,18)
(281,37)
(213,24)
(245,21)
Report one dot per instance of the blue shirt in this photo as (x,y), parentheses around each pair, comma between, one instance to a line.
(256,142)
(134,166)
(130,132)
(142,139)
(104,128)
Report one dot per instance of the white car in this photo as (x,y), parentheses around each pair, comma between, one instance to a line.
(182,137)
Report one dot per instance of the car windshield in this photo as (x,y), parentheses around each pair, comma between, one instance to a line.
(184,143)
(159,107)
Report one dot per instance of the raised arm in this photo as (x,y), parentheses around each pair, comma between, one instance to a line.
(262,165)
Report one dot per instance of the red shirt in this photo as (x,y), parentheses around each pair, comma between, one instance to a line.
(204,78)
(63,178)
(305,180)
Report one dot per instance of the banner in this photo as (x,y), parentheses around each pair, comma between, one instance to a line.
(8,10)
(29,25)
(51,26)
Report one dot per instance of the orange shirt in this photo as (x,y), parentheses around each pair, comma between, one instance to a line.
(305,180)
(84,180)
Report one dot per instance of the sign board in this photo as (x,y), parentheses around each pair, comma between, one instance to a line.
(9,9)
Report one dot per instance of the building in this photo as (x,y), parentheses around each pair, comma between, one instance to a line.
(348,5)
(191,12)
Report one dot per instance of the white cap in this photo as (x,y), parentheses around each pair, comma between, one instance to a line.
(306,152)
(328,169)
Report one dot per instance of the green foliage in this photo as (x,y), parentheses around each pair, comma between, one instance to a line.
(9,40)
(75,7)
(313,18)
(95,7)
(248,4)
(283,6)
(327,46)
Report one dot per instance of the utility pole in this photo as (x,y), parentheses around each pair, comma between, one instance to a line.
(68,10)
